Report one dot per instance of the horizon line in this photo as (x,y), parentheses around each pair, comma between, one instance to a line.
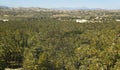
(82,7)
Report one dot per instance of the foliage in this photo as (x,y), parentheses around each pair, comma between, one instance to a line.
(50,44)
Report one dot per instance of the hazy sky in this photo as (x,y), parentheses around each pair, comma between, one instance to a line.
(106,4)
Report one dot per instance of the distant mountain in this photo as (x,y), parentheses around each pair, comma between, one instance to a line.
(4,7)
(83,8)
(77,8)
(70,8)
(37,9)
(63,8)
(59,8)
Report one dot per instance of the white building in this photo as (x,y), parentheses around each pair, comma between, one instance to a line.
(5,20)
(81,21)
(14,69)
(118,20)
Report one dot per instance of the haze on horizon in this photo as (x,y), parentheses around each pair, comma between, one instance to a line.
(104,4)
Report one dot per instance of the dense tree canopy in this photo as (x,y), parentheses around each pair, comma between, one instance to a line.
(49,44)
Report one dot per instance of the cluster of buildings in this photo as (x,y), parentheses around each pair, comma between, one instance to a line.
(95,20)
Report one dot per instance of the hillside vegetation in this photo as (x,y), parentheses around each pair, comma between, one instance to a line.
(49,44)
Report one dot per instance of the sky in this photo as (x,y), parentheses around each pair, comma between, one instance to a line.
(104,4)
